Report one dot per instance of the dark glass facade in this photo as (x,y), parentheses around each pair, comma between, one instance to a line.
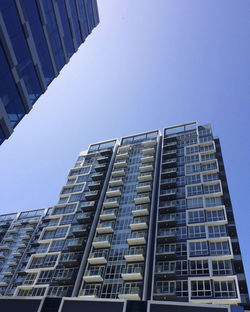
(37,39)
(147,219)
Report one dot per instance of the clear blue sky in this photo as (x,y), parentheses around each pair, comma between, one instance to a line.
(148,64)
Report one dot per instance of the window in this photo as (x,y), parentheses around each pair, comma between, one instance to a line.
(180,218)
(207,157)
(213,202)
(196,216)
(193,179)
(198,249)
(165,287)
(222,267)
(215,215)
(42,248)
(217,231)
(192,159)
(212,189)
(197,231)
(219,248)
(207,148)
(75,198)
(30,278)
(44,277)
(58,233)
(192,169)
(66,209)
(225,289)
(199,267)
(59,291)
(192,150)
(181,267)
(194,190)
(201,288)
(57,245)
(195,203)
(210,177)
(208,167)
(50,260)
(181,249)
(66,220)
(181,288)
(181,232)
(165,266)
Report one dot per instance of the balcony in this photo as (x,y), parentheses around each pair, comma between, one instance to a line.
(147,159)
(168,183)
(142,199)
(102,241)
(143,187)
(149,143)
(165,254)
(170,153)
(70,259)
(167,220)
(29,229)
(120,163)
(129,293)
(132,273)
(80,231)
(7,273)
(92,195)
(12,263)
(98,258)
(101,167)
(94,186)
(76,244)
(106,152)
(136,239)
(124,148)
(83,218)
(121,156)
(165,207)
(146,168)
(13,231)
(166,236)
(118,173)
(6,247)
(114,192)
(169,163)
(164,273)
(89,293)
(88,205)
(168,194)
(93,276)
(168,173)
(102,159)
(134,255)
(148,151)
(105,228)
(108,215)
(111,203)
(140,210)
(99,176)
(139,224)
(2,256)
(170,145)
(17,254)
(67,278)
(116,182)
(145,177)
(3,284)
(22,245)
(164,293)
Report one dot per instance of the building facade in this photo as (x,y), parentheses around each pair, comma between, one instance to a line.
(37,38)
(148,218)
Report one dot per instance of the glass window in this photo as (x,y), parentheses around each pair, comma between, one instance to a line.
(195,203)
(201,288)
(225,289)
(199,267)
(219,248)
(217,231)
(197,231)
(213,202)
(196,216)
(222,267)
(198,249)
(215,215)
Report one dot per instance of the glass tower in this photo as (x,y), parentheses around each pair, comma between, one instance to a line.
(148,218)
(37,38)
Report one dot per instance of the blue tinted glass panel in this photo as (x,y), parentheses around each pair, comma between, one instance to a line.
(38,36)
(83,18)
(2,137)
(8,92)
(66,28)
(21,50)
(53,34)
(90,13)
(75,23)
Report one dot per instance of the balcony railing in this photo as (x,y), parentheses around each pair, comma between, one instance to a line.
(130,293)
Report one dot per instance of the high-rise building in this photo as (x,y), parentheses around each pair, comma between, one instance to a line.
(148,219)
(37,38)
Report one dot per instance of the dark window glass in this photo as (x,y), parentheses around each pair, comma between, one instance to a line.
(8,92)
(53,34)
(66,28)
(90,13)
(19,44)
(75,23)
(83,18)
(39,39)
